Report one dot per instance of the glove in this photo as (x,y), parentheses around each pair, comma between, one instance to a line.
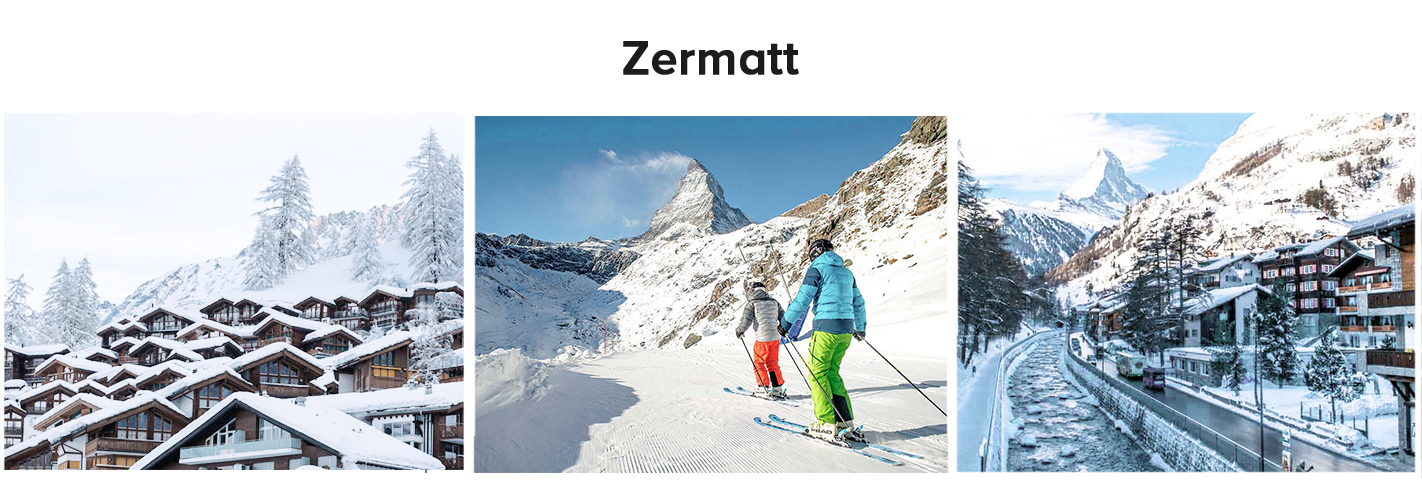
(783,331)
(858,335)
(740,334)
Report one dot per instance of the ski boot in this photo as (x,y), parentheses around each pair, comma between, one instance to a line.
(847,430)
(826,431)
(777,393)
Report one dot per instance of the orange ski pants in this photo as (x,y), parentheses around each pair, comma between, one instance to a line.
(767,363)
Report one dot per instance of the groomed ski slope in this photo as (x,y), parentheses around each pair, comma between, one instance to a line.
(665,411)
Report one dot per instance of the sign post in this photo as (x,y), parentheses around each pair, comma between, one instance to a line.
(1286,459)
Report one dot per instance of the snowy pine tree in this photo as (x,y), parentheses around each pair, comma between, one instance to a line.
(366,259)
(434,214)
(263,268)
(1331,375)
(20,320)
(432,344)
(86,299)
(1272,324)
(63,316)
(290,220)
(991,301)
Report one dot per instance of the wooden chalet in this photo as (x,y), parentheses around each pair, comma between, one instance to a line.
(14,422)
(21,362)
(114,437)
(280,370)
(1303,271)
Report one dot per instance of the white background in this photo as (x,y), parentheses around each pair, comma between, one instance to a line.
(859,58)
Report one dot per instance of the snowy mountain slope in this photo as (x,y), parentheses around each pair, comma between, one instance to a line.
(624,376)
(598,260)
(1278,180)
(190,284)
(1045,234)
(699,202)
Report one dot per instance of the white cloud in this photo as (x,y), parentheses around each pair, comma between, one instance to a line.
(1048,152)
(616,191)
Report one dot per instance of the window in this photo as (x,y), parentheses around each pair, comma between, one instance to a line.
(399,429)
(1329,303)
(135,427)
(1330,252)
(1329,268)
(1329,285)
(1308,286)
(297,463)
(1310,303)
(1288,271)
(1271,273)
(328,462)
(165,322)
(39,462)
(268,431)
(1308,269)
(451,419)
(227,434)
(162,428)
(211,395)
(278,373)
(264,466)
(1291,287)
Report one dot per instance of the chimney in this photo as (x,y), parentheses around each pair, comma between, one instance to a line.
(429,389)
(301,401)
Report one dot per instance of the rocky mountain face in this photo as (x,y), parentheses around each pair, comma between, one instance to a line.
(1045,234)
(1279,179)
(590,258)
(887,219)
(1104,190)
(699,203)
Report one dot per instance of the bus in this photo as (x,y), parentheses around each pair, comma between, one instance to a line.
(1130,364)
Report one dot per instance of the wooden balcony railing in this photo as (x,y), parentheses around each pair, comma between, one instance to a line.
(1390,299)
(1392,358)
(1354,328)
(107,444)
(1379,328)
(456,431)
(268,341)
(1347,308)
(1352,289)
(14,432)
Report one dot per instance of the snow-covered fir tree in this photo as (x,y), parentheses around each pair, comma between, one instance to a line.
(290,220)
(991,300)
(366,259)
(64,315)
(1330,374)
(432,345)
(1229,362)
(86,298)
(1272,324)
(434,214)
(263,269)
(20,320)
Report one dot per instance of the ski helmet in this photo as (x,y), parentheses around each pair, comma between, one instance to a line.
(819,247)
(757,284)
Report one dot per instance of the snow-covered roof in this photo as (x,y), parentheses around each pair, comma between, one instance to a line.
(1385,220)
(318,329)
(77,363)
(134,369)
(259,354)
(175,347)
(389,290)
(181,385)
(1314,247)
(1360,256)
(1222,262)
(127,340)
(59,433)
(190,315)
(351,439)
(95,401)
(38,350)
(1217,297)
(176,366)
(451,359)
(204,323)
(125,324)
(366,349)
(95,350)
(206,343)
(13,404)
(401,400)
(15,383)
(441,286)
(324,379)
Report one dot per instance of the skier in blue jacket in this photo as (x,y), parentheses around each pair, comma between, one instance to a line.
(830,289)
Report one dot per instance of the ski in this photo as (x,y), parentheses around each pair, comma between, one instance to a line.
(844,445)
(778,419)
(747,393)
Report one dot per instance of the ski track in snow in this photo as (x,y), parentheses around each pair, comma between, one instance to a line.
(672,416)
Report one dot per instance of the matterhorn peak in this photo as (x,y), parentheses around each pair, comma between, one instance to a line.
(700,202)
(1105,184)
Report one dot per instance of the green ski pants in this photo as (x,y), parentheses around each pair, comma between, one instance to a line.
(826,352)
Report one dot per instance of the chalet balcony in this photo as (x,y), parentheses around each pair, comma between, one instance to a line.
(285,391)
(314,316)
(453,463)
(206,453)
(1390,299)
(351,314)
(14,432)
(1354,328)
(108,444)
(1343,309)
(1392,358)
(451,432)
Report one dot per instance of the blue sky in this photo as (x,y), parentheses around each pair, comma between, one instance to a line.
(568,178)
(1027,157)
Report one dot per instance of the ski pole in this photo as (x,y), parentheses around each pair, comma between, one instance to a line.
(752,359)
(829,398)
(906,378)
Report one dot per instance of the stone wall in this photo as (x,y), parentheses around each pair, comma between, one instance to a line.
(1180,451)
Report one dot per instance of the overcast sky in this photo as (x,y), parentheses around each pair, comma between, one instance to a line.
(142,194)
